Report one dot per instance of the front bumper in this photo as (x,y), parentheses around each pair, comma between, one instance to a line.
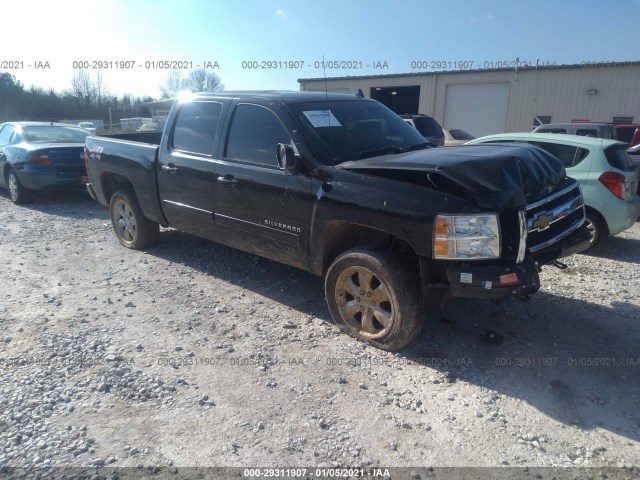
(494,281)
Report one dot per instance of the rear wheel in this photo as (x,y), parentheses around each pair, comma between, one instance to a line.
(18,194)
(372,296)
(597,227)
(132,228)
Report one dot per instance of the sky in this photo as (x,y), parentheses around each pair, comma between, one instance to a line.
(370,37)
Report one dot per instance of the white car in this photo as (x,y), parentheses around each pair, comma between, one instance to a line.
(88,126)
(148,127)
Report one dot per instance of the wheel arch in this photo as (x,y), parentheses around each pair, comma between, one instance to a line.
(594,211)
(339,236)
(111,182)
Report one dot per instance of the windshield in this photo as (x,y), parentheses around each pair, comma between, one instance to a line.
(428,126)
(352,129)
(52,134)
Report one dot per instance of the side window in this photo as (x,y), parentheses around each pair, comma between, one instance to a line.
(254,133)
(196,127)
(581,154)
(587,132)
(565,153)
(6,134)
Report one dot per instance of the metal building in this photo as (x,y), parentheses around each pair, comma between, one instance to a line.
(483,102)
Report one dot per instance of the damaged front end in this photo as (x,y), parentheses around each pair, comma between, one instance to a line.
(530,215)
(537,235)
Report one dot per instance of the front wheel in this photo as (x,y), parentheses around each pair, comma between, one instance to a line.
(373,297)
(18,194)
(597,227)
(132,228)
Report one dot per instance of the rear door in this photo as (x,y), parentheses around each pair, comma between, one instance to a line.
(258,207)
(186,170)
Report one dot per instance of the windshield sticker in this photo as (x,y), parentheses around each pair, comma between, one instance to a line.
(322,118)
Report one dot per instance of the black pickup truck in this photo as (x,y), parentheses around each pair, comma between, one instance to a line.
(340,186)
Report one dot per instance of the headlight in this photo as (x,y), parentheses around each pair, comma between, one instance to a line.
(466,237)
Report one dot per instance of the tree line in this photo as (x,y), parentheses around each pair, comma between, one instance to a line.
(88,98)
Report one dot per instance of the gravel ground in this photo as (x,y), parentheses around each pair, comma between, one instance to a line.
(192,354)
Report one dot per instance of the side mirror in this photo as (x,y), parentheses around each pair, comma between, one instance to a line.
(287,159)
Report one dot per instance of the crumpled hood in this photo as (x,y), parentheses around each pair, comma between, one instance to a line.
(494,176)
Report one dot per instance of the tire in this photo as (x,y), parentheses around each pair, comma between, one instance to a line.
(17,193)
(372,296)
(597,228)
(132,228)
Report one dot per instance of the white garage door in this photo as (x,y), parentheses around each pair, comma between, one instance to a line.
(480,109)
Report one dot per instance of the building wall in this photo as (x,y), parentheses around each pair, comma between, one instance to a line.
(560,93)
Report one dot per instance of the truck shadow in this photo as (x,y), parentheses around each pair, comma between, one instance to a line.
(576,362)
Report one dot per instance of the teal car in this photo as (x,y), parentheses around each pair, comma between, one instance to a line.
(608,177)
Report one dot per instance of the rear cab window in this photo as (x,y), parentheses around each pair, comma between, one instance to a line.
(587,132)
(552,130)
(195,127)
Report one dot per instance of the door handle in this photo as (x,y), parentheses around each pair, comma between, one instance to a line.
(227,180)
(171,168)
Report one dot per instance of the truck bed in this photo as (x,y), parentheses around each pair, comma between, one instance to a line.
(129,164)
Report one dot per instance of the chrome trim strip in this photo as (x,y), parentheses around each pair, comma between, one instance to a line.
(522,244)
(178,204)
(258,229)
(552,197)
(557,214)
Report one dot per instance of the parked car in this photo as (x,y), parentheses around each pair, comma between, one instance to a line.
(606,173)
(148,127)
(634,154)
(340,186)
(598,130)
(628,134)
(40,155)
(456,136)
(428,127)
(90,126)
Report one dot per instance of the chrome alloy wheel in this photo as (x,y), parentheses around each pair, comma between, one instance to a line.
(592,231)
(13,187)
(124,221)
(364,302)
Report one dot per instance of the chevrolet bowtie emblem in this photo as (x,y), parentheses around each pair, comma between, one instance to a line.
(543,221)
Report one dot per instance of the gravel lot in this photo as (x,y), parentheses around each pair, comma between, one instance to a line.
(195,354)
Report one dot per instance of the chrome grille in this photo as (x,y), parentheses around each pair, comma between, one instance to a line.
(554,217)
